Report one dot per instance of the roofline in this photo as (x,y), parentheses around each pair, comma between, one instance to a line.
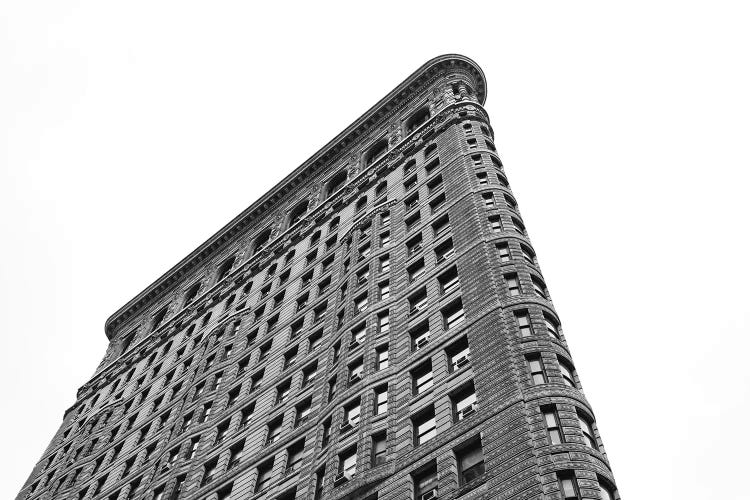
(165,279)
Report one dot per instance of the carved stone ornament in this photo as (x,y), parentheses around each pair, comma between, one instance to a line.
(314,197)
(353,168)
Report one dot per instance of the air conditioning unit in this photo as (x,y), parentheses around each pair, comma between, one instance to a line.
(340,478)
(356,377)
(423,342)
(463,360)
(345,426)
(469,410)
(354,343)
(430,495)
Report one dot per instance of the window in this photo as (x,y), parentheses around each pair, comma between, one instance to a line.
(282,392)
(224,269)
(320,476)
(336,183)
(552,422)
(385,264)
(309,374)
(417,301)
(568,485)
(482,178)
(351,416)
(414,245)
(453,315)
(376,151)
(384,289)
(459,355)
(424,426)
(417,119)
(426,482)
(302,413)
(587,427)
(355,372)
(325,266)
(263,351)
(448,281)
(298,212)
(331,243)
(315,340)
(567,372)
(255,381)
(431,149)
(246,414)
(306,279)
(381,400)
(320,312)
(437,203)
(294,456)
(528,254)
(310,258)
(503,252)
(411,202)
(361,204)
(518,225)
(361,303)
(495,224)
(421,378)
(536,369)
(540,289)
(434,184)
(264,476)
(209,470)
(606,491)
(261,240)
(347,464)
(444,251)
(385,240)
(514,287)
(489,200)
(412,221)
(381,358)
(420,336)
(524,323)
(190,295)
(358,335)
(278,299)
(464,403)
(384,324)
(158,318)
(290,357)
(470,459)
(274,431)
(296,328)
(416,270)
(410,183)
(552,326)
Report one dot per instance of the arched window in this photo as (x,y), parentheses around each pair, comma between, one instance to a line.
(336,183)
(158,318)
(376,152)
(261,241)
(417,119)
(224,268)
(192,292)
(298,212)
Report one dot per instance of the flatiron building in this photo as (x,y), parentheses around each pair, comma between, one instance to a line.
(374,327)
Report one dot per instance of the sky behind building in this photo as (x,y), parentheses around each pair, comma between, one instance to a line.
(132,132)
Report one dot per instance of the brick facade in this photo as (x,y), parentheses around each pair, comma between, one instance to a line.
(264,349)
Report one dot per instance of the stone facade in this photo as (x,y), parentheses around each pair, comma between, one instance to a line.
(374,327)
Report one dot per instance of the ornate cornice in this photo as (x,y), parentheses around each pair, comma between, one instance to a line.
(339,146)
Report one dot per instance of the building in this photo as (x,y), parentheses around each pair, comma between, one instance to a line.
(374,327)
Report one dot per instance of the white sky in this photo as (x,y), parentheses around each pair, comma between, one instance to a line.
(132,131)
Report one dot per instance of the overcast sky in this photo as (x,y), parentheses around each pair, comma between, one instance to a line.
(132,131)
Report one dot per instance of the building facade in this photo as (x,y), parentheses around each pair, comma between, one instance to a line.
(374,327)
